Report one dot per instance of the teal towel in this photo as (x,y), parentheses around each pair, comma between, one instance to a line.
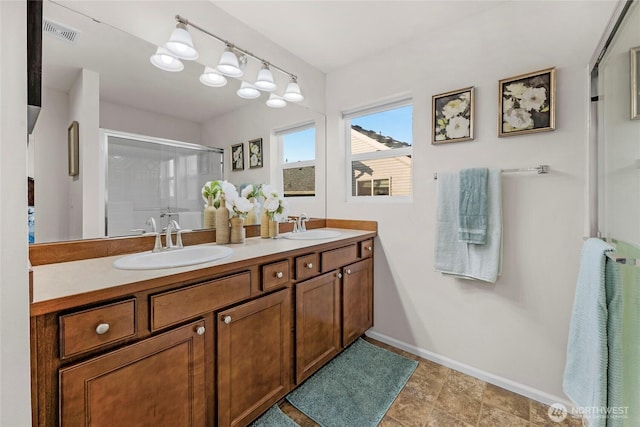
(473,206)
(465,260)
(593,370)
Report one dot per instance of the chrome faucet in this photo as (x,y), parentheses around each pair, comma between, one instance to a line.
(173,225)
(157,247)
(300,224)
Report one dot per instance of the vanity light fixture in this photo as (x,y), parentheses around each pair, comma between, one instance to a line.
(232,64)
(212,77)
(276,101)
(248,91)
(180,43)
(265,79)
(164,60)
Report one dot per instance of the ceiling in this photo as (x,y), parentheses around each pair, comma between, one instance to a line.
(331,34)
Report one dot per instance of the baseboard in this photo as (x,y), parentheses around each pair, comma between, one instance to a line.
(530,392)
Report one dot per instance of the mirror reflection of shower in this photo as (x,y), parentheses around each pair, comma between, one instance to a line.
(149,177)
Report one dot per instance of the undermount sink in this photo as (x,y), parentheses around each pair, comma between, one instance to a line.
(189,255)
(312,234)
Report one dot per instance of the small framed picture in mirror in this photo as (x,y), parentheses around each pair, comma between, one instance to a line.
(237,157)
(255,153)
(73,136)
(635,82)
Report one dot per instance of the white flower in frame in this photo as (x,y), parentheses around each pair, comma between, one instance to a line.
(253,160)
(516,90)
(533,98)
(254,148)
(516,119)
(458,127)
(507,104)
(454,108)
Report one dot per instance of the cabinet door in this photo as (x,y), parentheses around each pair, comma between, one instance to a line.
(254,357)
(317,323)
(156,382)
(357,300)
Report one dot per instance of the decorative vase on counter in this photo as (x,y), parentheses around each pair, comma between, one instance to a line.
(273,228)
(252,215)
(209,216)
(222,222)
(237,230)
(264,224)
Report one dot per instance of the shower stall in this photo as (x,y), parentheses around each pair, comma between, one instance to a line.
(151,177)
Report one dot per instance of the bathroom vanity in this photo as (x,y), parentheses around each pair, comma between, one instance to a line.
(214,344)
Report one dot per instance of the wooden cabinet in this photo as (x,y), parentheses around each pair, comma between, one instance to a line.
(155,382)
(357,300)
(201,349)
(317,323)
(254,357)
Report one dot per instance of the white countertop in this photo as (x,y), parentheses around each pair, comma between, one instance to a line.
(61,280)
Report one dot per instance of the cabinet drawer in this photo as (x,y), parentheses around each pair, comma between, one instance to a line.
(366,248)
(338,257)
(183,304)
(307,266)
(275,275)
(96,327)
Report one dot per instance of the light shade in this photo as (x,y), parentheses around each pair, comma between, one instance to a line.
(276,101)
(164,60)
(180,43)
(212,77)
(265,79)
(293,94)
(248,91)
(229,65)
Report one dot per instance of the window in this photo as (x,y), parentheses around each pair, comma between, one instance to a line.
(380,149)
(298,160)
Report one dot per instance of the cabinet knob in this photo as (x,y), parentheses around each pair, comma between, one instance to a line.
(348,271)
(279,274)
(369,248)
(226,319)
(102,328)
(309,265)
(200,330)
(339,275)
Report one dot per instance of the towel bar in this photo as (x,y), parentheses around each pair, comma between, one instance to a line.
(541,169)
(623,260)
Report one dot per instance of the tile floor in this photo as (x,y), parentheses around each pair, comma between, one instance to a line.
(436,396)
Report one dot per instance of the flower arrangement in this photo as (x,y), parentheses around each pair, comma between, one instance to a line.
(274,204)
(238,205)
(251,191)
(212,189)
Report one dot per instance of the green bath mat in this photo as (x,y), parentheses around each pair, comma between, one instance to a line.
(274,417)
(356,388)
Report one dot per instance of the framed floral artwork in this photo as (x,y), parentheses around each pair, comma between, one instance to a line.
(635,82)
(527,103)
(452,116)
(237,157)
(255,153)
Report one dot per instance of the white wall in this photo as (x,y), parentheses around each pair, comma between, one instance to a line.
(49,154)
(514,332)
(15,397)
(259,121)
(127,119)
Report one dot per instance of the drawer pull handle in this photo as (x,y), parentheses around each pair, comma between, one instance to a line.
(339,275)
(369,248)
(226,319)
(348,271)
(309,265)
(279,274)
(102,328)
(200,330)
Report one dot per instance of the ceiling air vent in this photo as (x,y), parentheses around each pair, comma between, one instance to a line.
(59,31)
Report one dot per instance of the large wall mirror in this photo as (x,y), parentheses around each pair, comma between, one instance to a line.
(98,74)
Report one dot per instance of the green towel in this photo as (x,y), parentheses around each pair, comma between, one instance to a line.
(473,206)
